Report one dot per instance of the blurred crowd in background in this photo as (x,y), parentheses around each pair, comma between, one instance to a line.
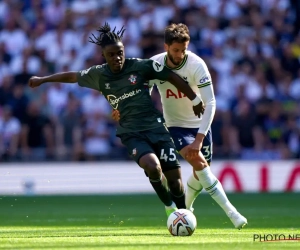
(251,47)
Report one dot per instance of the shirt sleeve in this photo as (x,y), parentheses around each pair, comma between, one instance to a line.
(204,83)
(202,75)
(89,78)
(153,69)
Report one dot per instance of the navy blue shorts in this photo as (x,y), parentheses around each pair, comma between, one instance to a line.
(185,136)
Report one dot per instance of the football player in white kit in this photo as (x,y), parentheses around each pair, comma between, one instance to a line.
(191,134)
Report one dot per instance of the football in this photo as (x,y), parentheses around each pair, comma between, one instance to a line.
(182,222)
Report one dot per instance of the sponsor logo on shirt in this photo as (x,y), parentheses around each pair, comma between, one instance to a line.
(176,94)
(204,79)
(114,101)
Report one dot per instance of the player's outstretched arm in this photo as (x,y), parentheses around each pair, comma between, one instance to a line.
(181,85)
(65,77)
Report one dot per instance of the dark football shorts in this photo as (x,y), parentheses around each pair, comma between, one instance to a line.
(157,141)
(185,136)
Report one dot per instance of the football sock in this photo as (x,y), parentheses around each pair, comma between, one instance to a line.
(164,181)
(172,206)
(162,191)
(179,200)
(193,189)
(170,209)
(215,189)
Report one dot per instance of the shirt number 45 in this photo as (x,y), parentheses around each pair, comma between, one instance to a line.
(168,157)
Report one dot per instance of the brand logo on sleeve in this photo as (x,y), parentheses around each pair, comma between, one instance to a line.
(157,66)
(204,79)
(85,71)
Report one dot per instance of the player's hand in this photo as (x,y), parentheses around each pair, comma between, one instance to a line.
(199,109)
(193,150)
(35,81)
(115,115)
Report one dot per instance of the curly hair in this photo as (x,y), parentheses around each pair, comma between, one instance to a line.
(107,36)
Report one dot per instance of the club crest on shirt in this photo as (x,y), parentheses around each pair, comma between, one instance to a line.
(132,79)
(180,141)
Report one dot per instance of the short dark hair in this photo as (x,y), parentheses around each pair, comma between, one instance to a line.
(177,33)
(106,36)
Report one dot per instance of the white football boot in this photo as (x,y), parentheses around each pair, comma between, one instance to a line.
(191,209)
(238,220)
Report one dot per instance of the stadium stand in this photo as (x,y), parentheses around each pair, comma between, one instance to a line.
(252,49)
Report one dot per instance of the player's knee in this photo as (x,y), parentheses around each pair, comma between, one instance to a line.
(199,163)
(151,165)
(153,170)
(176,186)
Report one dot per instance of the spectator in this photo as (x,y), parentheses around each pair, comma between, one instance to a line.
(6,90)
(96,143)
(18,102)
(10,129)
(24,75)
(292,137)
(253,57)
(54,12)
(69,130)
(37,141)
(243,120)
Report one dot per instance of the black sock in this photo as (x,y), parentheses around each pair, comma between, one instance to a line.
(162,191)
(179,200)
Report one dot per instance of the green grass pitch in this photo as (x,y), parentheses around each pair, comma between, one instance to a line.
(139,222)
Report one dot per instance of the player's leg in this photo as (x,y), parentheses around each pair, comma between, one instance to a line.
(213,186)
(202,177)
(194,186)
(183,137)
(150,163)
(176,186)
(143,154)
(167,154)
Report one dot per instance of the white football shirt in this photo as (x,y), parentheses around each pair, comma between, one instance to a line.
(177,108)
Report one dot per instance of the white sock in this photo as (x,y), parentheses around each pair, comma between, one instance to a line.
(215,189)
(193,189)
